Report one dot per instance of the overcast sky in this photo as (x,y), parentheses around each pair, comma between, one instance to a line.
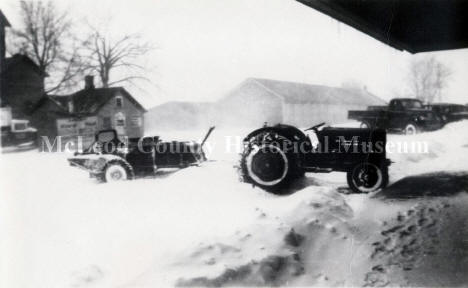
(207,47)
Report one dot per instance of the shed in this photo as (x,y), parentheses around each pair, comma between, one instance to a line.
(256,101)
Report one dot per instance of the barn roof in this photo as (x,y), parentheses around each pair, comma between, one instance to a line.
(300,93)
(415,26)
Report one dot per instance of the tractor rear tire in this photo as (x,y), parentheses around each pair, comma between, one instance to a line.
(268,161)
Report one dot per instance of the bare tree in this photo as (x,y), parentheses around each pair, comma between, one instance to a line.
(120,56)
(427,79)
(46,37)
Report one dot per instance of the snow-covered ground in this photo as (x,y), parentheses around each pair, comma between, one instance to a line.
(201,227)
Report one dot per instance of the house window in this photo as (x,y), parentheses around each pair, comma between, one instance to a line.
(119,101)
(120,119)
(136,121)
(106,122)
(120,122)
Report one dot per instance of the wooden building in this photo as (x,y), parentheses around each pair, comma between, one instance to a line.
(23,85)
(21,79)
(87,111)
(256,101)
(3,25)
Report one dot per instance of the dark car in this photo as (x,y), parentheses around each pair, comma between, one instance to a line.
(18,134)
(275,155)
(111,159)
(406,115)
(449,112)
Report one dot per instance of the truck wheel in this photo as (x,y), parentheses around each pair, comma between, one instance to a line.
(267,163)
(117,170)
(367,177)
(411,129)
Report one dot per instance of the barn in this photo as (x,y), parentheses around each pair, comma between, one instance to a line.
(21,79)
(23,84)
(256,101)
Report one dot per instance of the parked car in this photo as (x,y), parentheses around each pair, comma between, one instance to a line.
(16,132)
(110,159)
(273,156)
(449,112)
(406,115)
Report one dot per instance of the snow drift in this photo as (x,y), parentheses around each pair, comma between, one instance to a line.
(201,227)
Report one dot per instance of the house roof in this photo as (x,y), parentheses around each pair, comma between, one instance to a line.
(4,20)
(86,101)
(415,26)
(18,58)
(300,93)
(50,99)
(89,101)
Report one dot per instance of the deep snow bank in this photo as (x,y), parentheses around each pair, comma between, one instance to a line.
(279,246)
(201,226)
(441,150)
(318,241)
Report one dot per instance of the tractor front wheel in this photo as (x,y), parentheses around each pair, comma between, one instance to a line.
(367,177)
(117,171)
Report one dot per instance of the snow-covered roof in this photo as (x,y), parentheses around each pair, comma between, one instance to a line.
(89,101)
(301,93)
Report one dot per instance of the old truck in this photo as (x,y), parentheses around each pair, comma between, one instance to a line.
(449,112)
(110,159)
(16,132)
(274,156)
(406,115)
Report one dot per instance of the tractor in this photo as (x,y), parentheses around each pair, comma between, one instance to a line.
(110,159)
(274,156)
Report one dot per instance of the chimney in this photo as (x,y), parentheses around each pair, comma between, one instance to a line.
(89,82)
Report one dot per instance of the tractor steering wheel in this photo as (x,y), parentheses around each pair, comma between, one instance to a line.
(315,128)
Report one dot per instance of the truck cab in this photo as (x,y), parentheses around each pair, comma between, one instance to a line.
(408,115)
(404,112)
(401,104)
(449,112)
(18,133)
